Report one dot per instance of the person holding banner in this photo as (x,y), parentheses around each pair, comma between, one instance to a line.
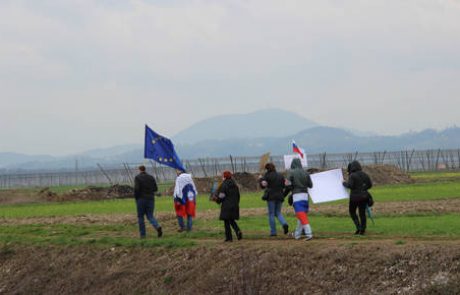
(274,184)
(299,182)
(358,183)
(185,193)
(228,195)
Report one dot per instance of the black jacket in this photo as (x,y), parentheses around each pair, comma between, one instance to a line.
(358,182)
(229,197)
(275,185)
(145,186)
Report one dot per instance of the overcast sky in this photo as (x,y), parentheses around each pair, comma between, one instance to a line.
(82,74)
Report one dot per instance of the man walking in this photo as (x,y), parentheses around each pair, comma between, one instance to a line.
(145,187)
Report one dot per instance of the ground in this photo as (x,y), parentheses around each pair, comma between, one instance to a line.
(93,247)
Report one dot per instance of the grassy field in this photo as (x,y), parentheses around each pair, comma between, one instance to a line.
(415,226)
(411,192)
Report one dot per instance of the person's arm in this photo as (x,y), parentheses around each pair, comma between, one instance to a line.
(263,181)
(136,187)
(368,182)
(350,183)
(155,186)
(309,182)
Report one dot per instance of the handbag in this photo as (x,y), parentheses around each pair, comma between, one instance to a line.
(265,195)
(370,200)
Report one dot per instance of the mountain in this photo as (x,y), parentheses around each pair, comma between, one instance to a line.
(325,139)
(316,139)
(16,159)
(264,123)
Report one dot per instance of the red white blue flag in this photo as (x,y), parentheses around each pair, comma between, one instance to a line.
(296,149)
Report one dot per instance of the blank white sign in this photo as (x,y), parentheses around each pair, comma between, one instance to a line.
(288,160)
(328,187)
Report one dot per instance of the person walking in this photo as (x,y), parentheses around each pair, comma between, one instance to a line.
(358,183)
(145,188)
(228,195)
(274,184)
(299,182)
(185,194)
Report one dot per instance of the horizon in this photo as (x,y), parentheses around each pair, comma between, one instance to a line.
(140,144)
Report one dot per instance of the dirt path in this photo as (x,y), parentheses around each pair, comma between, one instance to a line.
(386,208)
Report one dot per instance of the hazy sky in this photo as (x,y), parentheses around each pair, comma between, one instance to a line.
(81,74)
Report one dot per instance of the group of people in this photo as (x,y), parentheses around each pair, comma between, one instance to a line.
(276,187)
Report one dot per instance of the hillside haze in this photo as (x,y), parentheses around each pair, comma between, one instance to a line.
(264,123)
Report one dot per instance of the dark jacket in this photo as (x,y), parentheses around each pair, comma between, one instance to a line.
(300,179)
(145,186)
(275,185)
(229,197)
(358,182)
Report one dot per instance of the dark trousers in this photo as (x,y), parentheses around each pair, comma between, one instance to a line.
(145,207)
(360,222)
(228,231)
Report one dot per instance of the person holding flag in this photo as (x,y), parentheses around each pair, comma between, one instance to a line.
(161,150)
(298,183)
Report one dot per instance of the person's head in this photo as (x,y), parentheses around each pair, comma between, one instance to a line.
(296,164)
(179,172)
(270,167)
(141,168)
(354,167)
(227,175)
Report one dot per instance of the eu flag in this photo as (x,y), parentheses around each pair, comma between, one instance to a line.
(161,150)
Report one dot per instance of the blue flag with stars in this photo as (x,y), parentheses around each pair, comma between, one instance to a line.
(161,150)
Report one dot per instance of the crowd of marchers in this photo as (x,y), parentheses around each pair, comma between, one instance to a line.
(277,188)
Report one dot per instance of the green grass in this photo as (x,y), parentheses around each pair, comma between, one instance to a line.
(254,228)
(74,235)
(407,192)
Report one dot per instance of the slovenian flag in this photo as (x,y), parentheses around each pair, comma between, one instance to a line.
(296,149)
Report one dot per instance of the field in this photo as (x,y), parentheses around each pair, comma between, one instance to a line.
(413,247)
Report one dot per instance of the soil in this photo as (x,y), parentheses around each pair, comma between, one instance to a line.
(244,267)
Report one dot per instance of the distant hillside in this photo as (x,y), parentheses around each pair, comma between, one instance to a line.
(265,123)
(313,140)
(325,139)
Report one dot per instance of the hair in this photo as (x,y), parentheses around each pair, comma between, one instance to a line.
(270,167)
(142,168)
(227,174)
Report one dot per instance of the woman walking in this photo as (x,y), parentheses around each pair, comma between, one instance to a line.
(228,195)
(299,183)
(358,183)
(274,184)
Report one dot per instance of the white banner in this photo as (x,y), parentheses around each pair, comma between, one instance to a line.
(288,160)
(328,187)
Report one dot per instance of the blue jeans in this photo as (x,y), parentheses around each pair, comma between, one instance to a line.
(145,207)
(274,209)
(180,220)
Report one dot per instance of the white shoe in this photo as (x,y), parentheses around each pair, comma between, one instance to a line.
(308,238)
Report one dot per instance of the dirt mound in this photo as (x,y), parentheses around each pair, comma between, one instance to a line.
(90,193)
(247,182)
(387,174)
(379,174)
(270,267)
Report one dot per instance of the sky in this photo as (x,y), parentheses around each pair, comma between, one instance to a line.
(83,74)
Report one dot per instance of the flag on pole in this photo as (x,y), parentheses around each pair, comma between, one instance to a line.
(161,150)
(296,149)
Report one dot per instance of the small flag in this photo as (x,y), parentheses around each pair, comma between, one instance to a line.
(296,149)
(161,150)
